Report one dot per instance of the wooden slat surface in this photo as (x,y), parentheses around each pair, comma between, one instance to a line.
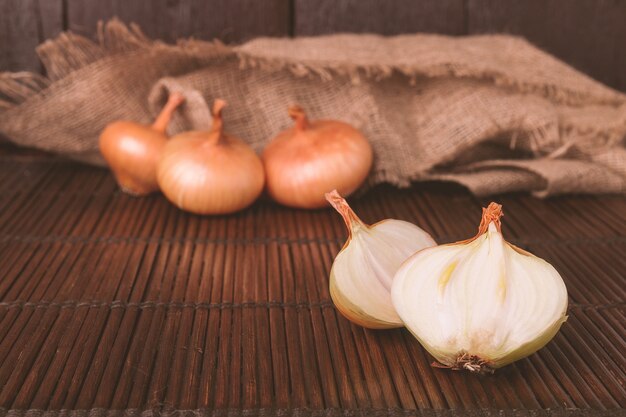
(24,24)
(114,302)
(385,17)
(230,21)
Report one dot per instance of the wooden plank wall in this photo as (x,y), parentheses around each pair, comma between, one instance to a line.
(589,34)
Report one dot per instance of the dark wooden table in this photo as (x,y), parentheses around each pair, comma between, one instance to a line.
(109,302)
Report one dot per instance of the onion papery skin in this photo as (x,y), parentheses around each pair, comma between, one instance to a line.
(374,259)
(480,304)
(207,175)
(132,151)
(362,272)
(304,163)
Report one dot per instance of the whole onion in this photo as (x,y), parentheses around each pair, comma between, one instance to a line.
(210,172)
(132,150)
(312,158)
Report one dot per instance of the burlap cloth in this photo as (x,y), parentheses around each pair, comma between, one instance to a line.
(490,112)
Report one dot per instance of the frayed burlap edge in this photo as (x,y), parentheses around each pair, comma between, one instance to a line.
(19,86)
(327,69)
(69,52)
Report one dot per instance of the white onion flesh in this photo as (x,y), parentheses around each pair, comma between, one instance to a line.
(484,299)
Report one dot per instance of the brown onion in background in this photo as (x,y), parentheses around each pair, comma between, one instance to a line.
(315,157)
(132,150)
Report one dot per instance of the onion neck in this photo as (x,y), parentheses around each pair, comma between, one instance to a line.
(217,128)
(349,217)
(492,214)
(299,116)
(163,119)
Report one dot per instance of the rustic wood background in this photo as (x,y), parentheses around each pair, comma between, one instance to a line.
(589,34)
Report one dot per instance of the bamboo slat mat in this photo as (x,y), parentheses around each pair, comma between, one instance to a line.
(113,306)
